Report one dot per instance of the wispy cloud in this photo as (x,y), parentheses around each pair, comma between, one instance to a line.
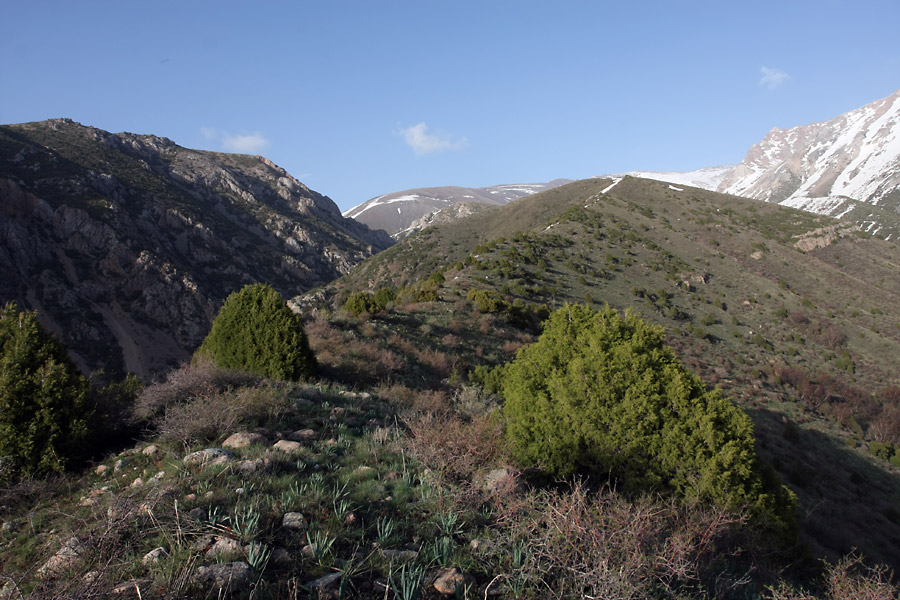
(772,77)
(242,143)
(422,142)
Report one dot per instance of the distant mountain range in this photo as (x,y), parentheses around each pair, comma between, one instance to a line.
(127,244)
(847,167)
(403,213)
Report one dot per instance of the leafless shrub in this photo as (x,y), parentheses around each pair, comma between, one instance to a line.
(454,447)
(440,362)
(208,417)
(849,578)
(511,346)
(190,380)
(601,545)
(799,318)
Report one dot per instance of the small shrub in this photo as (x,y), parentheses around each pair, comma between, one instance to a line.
(360,302)
(255,331)
(486,301)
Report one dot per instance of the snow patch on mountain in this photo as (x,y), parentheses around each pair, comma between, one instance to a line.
(817,166)
(708,178)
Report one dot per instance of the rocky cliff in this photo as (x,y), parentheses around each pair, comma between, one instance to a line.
(127,244)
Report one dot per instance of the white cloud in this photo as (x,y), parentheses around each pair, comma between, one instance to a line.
(247,143)
(772,78)
(422,142)
(242,143)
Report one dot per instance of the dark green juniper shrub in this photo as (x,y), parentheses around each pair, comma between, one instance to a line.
(255,331)
(600,393)
(45,410)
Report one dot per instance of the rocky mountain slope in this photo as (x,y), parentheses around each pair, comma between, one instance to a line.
(847,167)
(126,244)
(398,213)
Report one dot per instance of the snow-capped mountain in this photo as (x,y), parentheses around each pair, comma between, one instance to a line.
(707,178)
(848,167)
(817,167)
(398,211)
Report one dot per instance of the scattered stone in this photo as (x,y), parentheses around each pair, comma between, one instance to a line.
(323,582)
(499,480)
(92,498)
(101,470)
(350,518)
(150,450)
(119,465)
(447,581)
(240,491)
(309,551)
(132,589)
(225,549)
(10,527)
(89,577)
(310,396)
(208,457)
(288,446)
(757,255)
(401,555)
(364,471)
(154,556)
(203,543)
(190,497)
(10,591)
(302,435)
(242,439)
(138,482)
(159,475)
(66,559)
(281,557)
(294,520)
(234,576)
(257,465)
(197,513)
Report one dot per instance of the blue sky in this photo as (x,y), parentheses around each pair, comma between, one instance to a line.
(357,99)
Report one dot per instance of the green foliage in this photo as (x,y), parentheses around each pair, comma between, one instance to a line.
(425,291)
(384,297)
(255,331)
(600,392)
(365,302)
(486,301)
(360,302)
(44,409)
(489,378)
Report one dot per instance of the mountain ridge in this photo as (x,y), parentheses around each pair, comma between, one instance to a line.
(126,244)
(397,212)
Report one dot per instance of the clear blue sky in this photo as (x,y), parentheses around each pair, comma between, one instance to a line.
(357,99)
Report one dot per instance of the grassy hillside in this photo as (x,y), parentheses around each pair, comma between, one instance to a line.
(390,476)
(805,340)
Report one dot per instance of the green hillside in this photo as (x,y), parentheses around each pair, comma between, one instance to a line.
(805,340)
